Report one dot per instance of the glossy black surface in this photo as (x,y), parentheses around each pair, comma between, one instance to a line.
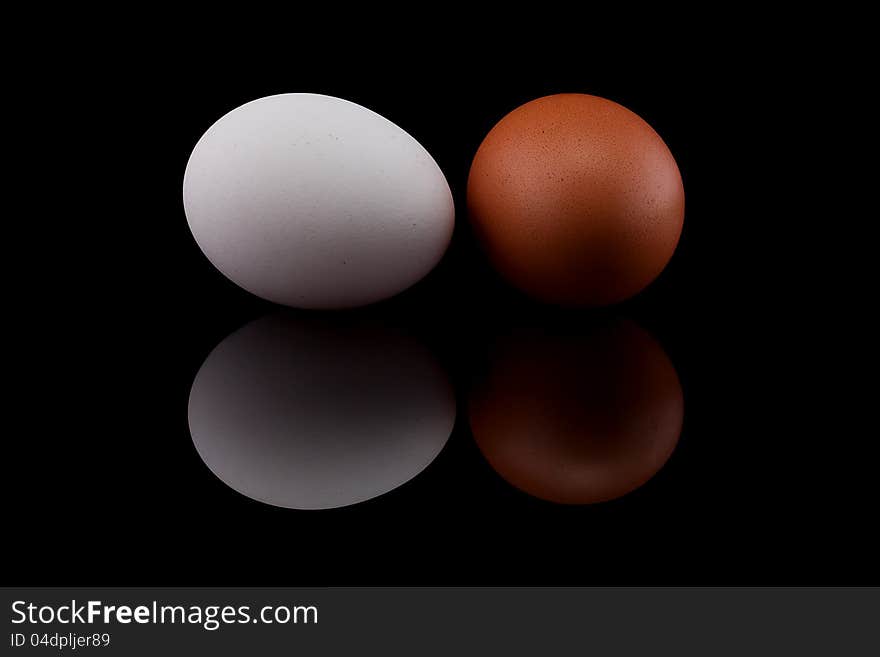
(764,487)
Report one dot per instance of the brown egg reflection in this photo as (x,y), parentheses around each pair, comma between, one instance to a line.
(578,420)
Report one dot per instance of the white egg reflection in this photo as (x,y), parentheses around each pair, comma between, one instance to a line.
(310,413)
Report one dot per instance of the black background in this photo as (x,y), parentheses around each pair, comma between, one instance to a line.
(120,308)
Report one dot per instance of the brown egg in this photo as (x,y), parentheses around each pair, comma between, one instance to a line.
(576,200)
(578,420)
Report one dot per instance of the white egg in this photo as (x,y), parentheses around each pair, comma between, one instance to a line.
(316,412)
(316,202)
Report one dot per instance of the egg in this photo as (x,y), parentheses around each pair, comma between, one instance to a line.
(577,418)
(313,201)
(576,200)
(319,412)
